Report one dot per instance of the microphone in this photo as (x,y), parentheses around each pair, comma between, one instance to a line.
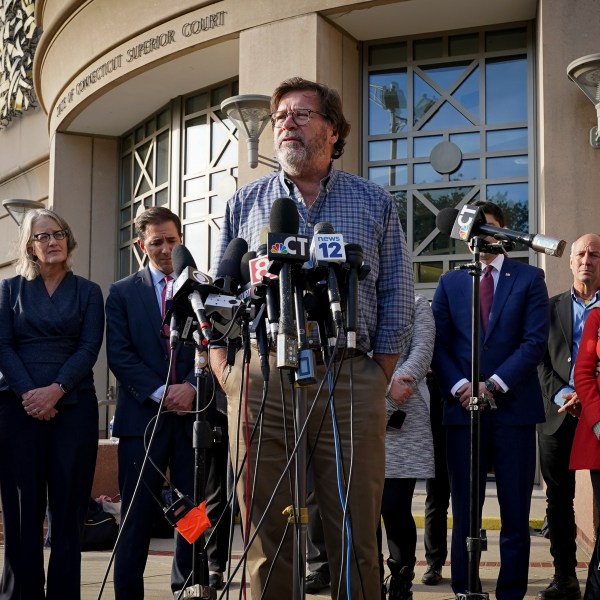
(286,247)
(328,249)
(261,276)
(354,254)
(258,327)
(222,306)
(188,289)
(229,274)
(470,221)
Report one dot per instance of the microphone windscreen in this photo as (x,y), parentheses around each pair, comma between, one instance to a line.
(324,227)
(284,217)
(232,258)
(354,255)
(181,258)
(445,219)
(245,267)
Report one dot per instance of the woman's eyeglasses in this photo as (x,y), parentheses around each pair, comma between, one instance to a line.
(44,238)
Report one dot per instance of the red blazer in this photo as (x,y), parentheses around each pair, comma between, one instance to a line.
(585,453)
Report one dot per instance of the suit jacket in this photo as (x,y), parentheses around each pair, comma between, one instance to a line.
(45,338)
(511,348)
(137,353)
(554,371)
(585,453)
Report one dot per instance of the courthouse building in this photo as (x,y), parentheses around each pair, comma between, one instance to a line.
(449,100)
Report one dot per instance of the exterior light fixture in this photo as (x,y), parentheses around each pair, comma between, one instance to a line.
(585,72)
(250,113)
(17,208)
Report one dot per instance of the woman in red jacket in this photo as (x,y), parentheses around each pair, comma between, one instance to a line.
(586,445)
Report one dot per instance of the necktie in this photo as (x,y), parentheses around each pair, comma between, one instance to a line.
(486,296)
(166,295)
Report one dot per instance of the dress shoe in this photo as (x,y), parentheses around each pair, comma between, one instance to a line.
(316,581)
(432,576)
(561,588)
(215,580)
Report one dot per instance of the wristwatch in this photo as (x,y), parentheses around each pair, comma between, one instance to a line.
(490,386)
(63,388)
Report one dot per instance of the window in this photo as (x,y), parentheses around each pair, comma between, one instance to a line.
(448,122)
(183,157)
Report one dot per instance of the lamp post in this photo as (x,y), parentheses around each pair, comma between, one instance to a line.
(17,208)
(250,113)
(585,72)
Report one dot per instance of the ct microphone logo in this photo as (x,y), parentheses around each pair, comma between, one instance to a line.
(283,246)
(463,226)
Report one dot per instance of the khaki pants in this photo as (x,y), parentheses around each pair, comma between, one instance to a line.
(360,414)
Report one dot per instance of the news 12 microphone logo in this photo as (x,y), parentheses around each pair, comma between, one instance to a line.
(283,246)
(468,216)
(328,248)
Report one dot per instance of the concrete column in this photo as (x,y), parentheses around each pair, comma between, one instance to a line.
(84,190)
(569,168)
(307,46)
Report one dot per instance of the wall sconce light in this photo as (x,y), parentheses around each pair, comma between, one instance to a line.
(585,72)
(17,208)
(250,113)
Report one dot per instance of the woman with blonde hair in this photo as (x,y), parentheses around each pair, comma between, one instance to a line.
(51,328)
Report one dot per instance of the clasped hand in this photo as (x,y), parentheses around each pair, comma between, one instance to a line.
(39,403)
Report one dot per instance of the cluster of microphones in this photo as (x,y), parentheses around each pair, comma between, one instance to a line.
(276,288)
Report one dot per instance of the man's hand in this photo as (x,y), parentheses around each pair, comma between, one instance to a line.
(464,393)
(180,398)
(572,404)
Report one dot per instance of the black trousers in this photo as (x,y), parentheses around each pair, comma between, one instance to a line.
(45,463)
(435,536)
(555,451)
(400,528)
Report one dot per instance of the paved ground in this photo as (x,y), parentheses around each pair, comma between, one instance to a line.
(540,571)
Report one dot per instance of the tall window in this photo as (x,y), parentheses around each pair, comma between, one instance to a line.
(447,122)
(183,157)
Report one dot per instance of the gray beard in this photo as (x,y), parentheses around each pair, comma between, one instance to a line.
(295,160)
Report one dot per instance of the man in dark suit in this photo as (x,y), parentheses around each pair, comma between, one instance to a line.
(513,342)
(568,312)
(138,356)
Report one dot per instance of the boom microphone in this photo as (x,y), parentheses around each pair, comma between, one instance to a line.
(470,221)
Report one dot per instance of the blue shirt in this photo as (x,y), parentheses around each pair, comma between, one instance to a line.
(580,311)
(365,214)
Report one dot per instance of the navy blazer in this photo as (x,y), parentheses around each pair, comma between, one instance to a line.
(46,339)
(137,352)
(512,347)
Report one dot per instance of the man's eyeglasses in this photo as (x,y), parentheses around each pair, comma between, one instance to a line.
(44,238)
(300,116)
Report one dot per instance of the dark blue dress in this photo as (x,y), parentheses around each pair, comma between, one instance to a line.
(44,339)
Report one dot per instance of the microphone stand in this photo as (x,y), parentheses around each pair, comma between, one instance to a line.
(476,543)
(304,376)
(203,437)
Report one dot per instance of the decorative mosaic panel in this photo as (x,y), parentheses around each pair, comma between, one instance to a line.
(18,40)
